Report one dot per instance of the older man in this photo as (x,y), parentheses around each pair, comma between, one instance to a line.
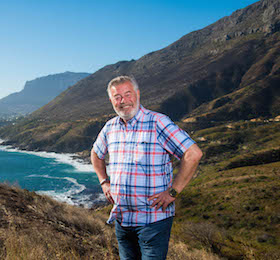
(141,186)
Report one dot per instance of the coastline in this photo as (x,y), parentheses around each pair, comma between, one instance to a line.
(90,200)
(75,159)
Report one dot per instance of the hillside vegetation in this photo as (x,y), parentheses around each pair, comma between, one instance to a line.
(37,227)
(232,206)
(229,211)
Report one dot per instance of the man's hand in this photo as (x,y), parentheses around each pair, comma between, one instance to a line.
(106,190)
(162,199)
(100,169)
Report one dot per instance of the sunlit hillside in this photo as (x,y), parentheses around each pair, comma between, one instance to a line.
(229,211)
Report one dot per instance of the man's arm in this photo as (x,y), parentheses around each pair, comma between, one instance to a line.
(100,169)
(188,165)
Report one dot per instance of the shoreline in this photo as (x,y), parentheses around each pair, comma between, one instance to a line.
(95,199)
(77,161)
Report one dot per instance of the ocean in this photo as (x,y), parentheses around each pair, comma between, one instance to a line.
(57,175)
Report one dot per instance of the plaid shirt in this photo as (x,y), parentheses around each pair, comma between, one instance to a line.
(139,164)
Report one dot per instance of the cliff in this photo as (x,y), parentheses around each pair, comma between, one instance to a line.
(37,93)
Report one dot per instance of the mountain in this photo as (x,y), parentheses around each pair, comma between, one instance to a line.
(38,92)
(229,70)
(237,51)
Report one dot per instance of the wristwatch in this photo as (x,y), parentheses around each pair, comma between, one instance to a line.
(173,193)
(104,180)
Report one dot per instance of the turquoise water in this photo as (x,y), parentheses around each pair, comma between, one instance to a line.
(56,175)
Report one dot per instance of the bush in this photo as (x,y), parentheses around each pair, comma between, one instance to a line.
(208,236)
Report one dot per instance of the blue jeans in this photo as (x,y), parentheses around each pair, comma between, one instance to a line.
(144,242)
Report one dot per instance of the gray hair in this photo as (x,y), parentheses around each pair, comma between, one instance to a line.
(119,80)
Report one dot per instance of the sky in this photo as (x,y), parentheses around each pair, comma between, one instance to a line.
(43,37)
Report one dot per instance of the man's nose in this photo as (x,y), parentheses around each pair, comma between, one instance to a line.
(123,100)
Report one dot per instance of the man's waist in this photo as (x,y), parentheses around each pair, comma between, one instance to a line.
(132,217)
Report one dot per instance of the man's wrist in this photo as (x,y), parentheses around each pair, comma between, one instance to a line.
(173,193)
(106,180)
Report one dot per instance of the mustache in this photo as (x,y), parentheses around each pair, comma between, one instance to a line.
(127,104)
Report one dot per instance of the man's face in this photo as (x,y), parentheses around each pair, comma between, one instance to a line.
(125,100)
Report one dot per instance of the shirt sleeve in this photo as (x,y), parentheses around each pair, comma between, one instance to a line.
(172,138)
(100,145)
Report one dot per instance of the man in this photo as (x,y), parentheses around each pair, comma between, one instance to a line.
(139,142)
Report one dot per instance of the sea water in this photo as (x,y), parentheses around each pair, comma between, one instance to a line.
(57,175)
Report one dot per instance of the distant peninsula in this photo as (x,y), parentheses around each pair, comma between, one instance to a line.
(36,93)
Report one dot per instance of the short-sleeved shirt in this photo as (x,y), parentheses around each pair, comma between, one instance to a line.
(139,164)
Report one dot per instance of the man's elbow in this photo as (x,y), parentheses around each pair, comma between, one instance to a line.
(92,152)
(93,156)
(194,153)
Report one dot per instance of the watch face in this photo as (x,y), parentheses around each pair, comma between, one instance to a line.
(172,192)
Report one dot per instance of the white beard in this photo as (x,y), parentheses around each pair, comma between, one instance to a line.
(132,113)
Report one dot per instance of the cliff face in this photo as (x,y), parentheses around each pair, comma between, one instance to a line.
(38,92)
(226,71)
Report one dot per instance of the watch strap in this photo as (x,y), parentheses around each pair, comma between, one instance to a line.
(104,180)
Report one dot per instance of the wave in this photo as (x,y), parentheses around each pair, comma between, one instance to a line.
(79,187)
(86,201)
(74,195)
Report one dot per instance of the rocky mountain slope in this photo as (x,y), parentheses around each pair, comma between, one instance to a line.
(229,70)
(38,92)
(237,51)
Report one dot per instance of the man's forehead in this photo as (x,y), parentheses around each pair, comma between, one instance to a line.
(123,87)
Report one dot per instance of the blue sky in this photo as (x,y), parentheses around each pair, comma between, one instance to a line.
(40,37)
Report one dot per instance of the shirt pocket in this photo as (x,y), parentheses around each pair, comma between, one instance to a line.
(142,150)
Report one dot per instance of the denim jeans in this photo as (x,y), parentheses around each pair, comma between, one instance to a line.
(144,242)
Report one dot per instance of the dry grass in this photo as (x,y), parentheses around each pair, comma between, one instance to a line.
(179,250)
(43,244)
(37,227)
